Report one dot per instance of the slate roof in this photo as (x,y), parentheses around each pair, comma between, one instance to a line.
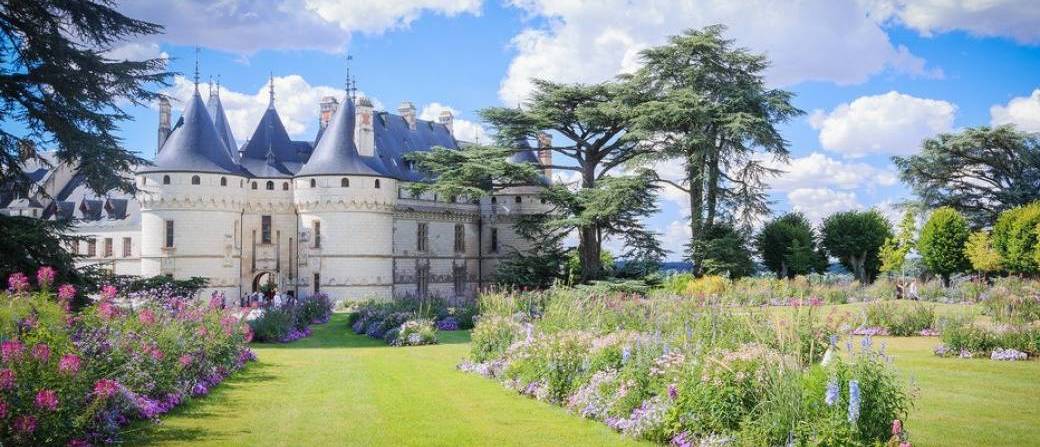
(393,139)
(336,153)
(270,137)
(194,145)
(220,122)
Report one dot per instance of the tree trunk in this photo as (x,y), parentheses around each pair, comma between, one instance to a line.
(711,186)
(588,237)
(694,177)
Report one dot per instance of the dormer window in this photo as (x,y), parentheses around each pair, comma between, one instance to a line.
(195,180)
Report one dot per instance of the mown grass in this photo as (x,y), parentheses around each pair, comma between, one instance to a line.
(336,388)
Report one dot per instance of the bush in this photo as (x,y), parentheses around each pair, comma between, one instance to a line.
(942,243)
(76,379)
(492,336)
(1015,238)
(899,320)
(385,320)
(966,339)
(416,333)
(291,321)
(1012,300)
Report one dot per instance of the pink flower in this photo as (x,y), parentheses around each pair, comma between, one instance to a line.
(201,331)
(10,350)
(904,444)
(105,388)
(45,276)
(25,424)
(78,443)
(897,427)
(185,360)
(17,282)
(109,291)
(47,400)
(7,379)
(66,292)
(107,310)
(69,364)
(157,355)
(3,409)
(41,352)
(147,317)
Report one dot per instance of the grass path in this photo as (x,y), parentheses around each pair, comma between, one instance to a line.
(337,388)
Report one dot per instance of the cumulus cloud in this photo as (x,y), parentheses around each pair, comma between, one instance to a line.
(818,203)
(892,124)
(818,170)
(136,51)
(594,41)
(464,130)
(247,26)
(1015,19)
(1022,111)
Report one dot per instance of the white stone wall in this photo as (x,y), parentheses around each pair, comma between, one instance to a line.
(117,263)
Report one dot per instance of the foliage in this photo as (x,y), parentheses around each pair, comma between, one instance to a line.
(1015,238)
(723,250)
(942,243)
(1012,300)
(979,250)
(786,245)
(530,269)
(291,320)
(979,171)
(29,243)
(408,322)
(416,333)
(900,321)
(76,379)
(130,285)
(855,238)
(492,336)
(969,339)
(894,250)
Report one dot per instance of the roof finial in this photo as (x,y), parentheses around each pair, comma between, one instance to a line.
(212,92)
(218,85)
(271,90)
(196,69)
(346,83)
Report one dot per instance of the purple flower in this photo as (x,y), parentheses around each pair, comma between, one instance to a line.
(78,443)
(25,424)
(854,400)
(45,276)
(3,409)
(47,400)
(199,389)
(7,379)
(11,350)
(148,408)
(831,397)
(17,283)
(108,291)
(69,364)
(106,388)
(673,391)
(66,292)
(41,352)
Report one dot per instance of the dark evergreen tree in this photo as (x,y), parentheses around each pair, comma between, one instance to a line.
(788,246)
(855,238)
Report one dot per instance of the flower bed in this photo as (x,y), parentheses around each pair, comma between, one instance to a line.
(417,321)
(290,321)
(676,371)
(76,379)
(998,342)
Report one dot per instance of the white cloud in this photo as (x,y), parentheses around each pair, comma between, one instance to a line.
(247,26)
(818,203)
(809,40)
(1023,112)
(136,51)
(891,124)
(818,170)
(464,130)
(674,238)
(1016,19)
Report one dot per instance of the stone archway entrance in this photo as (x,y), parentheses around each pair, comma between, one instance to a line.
(261,279)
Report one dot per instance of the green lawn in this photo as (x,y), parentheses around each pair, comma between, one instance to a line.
(336,388)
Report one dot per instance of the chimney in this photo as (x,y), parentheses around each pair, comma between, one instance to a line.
(447,120)
(365,137)
(164,122)
(407,110)
(545,154)
(328,108)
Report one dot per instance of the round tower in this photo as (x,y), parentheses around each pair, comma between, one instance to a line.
(191,202)
(346,209)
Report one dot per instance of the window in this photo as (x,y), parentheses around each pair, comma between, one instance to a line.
(92,247)
(377,183)
(166,180)
(254,185)
(344,182)
(519,199)
(223,181)
(108,247)
(285,186)
(265,229)
(169,234)
(422,280)
(314,183)
(317,282)
(494,240)
(460,280)
(421,237)
(270,185)
(127,247)
(543,201)
(494,200)
(460,238)
(317,234)
(195,180)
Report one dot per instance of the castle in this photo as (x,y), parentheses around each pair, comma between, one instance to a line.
(333,215)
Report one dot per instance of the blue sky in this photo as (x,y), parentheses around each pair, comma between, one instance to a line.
(874,76)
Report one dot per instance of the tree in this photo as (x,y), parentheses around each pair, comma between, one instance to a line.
(592,119)
(979,171)
(1015,238)
(942,243)
(59,90)
(787,245)
(894,250)
(855,237)
(725,252)
(980,252)
(710,109)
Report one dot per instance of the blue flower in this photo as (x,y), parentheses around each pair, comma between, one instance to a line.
(854,400)
(866,343)
(834,340)
(831,397)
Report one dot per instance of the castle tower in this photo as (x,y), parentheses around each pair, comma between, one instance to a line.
(346,210)
(191,200)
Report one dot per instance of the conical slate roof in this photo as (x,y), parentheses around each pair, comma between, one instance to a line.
(270,148)
(194,145)
(336,153)
(220,122)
